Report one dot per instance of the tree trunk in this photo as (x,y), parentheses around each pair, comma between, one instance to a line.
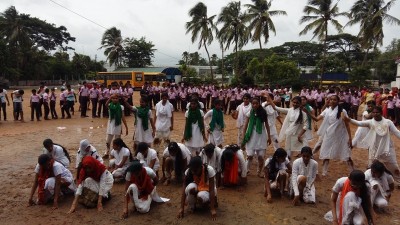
(222,64)
(209,61)
(325,51)
(262,61)
(236,59)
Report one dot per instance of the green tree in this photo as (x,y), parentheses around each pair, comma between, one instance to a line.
(346,47)
(320,13)
(304,53)
(138,52)
(234,29)
(112,43)
(201,27)
(371,14)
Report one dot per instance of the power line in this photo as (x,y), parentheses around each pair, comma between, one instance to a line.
(97,24)
(78,14)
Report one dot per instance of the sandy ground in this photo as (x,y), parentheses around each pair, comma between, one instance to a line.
(21,143)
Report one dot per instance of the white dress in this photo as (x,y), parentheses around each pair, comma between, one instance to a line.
(334,136)
(290,130)
(353,212)
(101,187)
(58,155)
(151,155)
(92,152)
(186,154)
(272,115)
(118,157)
(380,193)
(197,137)
(242,169)
(242,112)
(216,137)
(360,134)
(257,141)
(112,129)
(164,114)
(140,134)
(310,172)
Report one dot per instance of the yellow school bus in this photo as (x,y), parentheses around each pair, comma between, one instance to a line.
(136,78)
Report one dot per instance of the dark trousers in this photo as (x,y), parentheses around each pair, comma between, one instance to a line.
(128,110)
(213,99)
(84,104)
(232,106)
(3,108)
(397,115)
(63,106)
(69,106)
(156,98)
(35,108)
(173,102)
(53,110)
(102,108)
(183,104)
(94,106)
(40,107)
(207,106)
(46,110)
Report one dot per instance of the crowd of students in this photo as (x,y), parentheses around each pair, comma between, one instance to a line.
(202,161)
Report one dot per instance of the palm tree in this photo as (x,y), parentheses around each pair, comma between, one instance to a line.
(320,13)
(112,43)
(185,57)
(234,29)
(261,23)
(201,26)
(371,14)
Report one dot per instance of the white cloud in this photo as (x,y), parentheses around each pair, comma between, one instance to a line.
(162,22)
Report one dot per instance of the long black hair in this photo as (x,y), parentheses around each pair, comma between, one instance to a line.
(340,107)
(227,155)
(300,118)
(358,177)
(119,142)
(195,163)
(272,168)
(141,147)
(379,167)
(48,142)
(173,146)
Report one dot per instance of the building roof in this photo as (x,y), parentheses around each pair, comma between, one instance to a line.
(165,70)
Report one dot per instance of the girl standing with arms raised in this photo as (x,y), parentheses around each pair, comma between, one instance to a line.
(294,126)
(335,133)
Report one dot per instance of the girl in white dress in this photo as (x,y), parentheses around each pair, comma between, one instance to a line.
(304,173)
(140,188)
(350,201)
(256,139)
(273,116)
(276,169)
(57,152)
(381,184)
(194,135)
(335,134)
(143,118)
(164,120)
(240,116)
(361,132)
(233,166)
(294,126)
(114,126)
(211,155)
(308,136)
(121,156)
(176,157)
(148,157)
(217,125)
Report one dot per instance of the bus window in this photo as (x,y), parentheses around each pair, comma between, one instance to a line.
(138,77)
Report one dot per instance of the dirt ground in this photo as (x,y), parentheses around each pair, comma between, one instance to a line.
(21,144)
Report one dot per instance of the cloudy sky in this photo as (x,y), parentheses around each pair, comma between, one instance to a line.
(162,22)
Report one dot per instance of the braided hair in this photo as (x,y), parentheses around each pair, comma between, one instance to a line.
(300,118)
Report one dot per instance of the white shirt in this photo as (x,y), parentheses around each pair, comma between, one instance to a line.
(120,155)
(385,180)
(3,96)
(151,155)
(185,153)
(58,169)
(299,168)
(58,155)
(149,172)
(92,152)
(164,114)
(214,161)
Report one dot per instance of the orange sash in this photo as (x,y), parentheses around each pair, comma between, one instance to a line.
(201,181)
(231,172)
(346,189)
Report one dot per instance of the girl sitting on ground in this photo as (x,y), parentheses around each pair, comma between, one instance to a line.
(176,157)
(57,152)
(51,179)
(211,155)
(199,187)
(233,166)
(140,188)
(94,184)
(277,169)
(121,156)
(148,157)
(381,184)
(304,173)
